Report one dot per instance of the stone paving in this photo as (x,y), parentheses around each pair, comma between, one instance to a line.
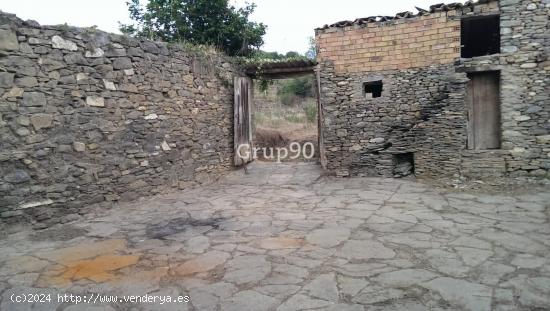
(285,238)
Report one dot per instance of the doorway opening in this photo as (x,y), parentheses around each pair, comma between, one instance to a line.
(284,112)
(286,117)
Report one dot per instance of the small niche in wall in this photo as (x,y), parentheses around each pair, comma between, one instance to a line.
(372,89)
(403,164)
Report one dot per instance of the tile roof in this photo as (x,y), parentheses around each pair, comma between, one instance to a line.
(441,7)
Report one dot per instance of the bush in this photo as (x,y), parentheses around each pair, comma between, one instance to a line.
(298,87)
(295,118)
(287,99)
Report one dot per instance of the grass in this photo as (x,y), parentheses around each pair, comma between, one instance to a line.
(310,110)
(275,118)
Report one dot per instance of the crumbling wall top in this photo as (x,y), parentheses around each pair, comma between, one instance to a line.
(436,8)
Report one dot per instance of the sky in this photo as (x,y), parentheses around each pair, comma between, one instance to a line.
(290,22)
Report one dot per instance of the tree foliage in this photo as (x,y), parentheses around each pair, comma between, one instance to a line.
(295,89)
(297,86)
(263,56)
(208,22)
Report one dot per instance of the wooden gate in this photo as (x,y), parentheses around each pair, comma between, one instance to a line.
(242,121)
(483,111)
(320,121)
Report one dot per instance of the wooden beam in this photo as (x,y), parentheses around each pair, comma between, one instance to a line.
(281,73)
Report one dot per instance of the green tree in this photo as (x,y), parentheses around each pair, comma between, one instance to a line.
(209,22)
(292,54)
(260,54)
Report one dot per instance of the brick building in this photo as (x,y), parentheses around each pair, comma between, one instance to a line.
(456,90)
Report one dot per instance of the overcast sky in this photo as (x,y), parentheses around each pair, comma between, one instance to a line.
(290,22)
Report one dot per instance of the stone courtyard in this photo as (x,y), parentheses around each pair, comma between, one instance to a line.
(284,237)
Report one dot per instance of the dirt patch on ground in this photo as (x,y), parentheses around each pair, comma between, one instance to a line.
(270,138)
(99,269)
(284,137)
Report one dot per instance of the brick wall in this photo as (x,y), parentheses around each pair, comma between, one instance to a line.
(416,42)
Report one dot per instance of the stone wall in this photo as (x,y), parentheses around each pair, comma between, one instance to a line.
(87,116)
(422,111)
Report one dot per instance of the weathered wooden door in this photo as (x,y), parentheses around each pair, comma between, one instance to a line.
(242,120)
(483,111)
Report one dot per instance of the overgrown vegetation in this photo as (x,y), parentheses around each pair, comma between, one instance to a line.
(311,112)
(296,89)
(202,22)
(277,118)
(261,58)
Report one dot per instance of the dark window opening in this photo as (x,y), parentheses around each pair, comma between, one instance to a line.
(403,164)
(480,36)
(373,89)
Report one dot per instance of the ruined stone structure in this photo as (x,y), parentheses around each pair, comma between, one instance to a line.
(456,90)
(87,116)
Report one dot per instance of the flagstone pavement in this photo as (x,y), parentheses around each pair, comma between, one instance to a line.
(283,237)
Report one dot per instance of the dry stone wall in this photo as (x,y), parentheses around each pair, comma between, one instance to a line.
(420,112)
(88,116)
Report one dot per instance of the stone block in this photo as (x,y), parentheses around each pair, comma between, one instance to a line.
(122,63)
(24,121)
(79,147)
(377,140)
(341,133)
(529,65)
(26,82)
(81,77)
(41,120)
(95,101)
(14,92)
(109,85)
(149,47)
(94,53)
(8,40)
(60,43)
(33,99)
(509,49)
(6,79)
(165,146)
(17,177)
(23,131)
